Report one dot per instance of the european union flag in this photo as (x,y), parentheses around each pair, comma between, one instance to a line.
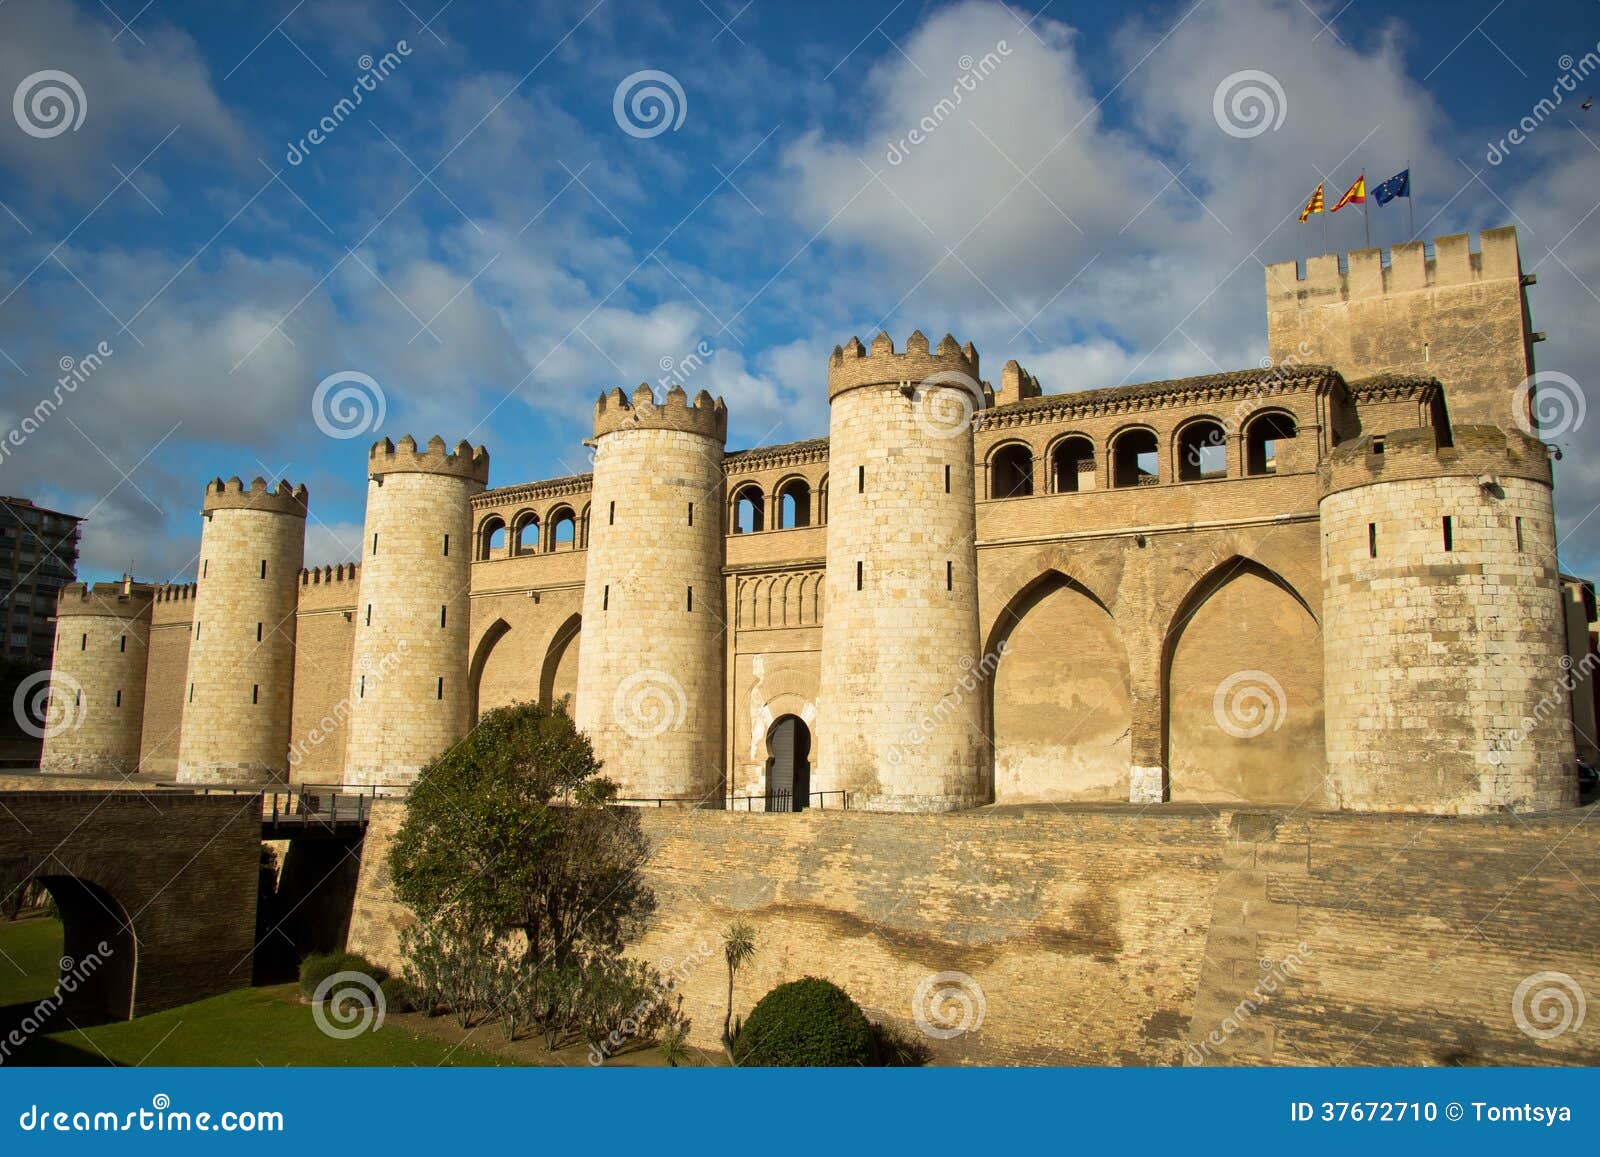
(1398,185)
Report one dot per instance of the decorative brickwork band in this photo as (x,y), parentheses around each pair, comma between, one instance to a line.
(466,461)
(706,416)
(232,495)
(852,365)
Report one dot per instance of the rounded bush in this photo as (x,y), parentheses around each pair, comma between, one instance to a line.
(317,967)
(805,1022)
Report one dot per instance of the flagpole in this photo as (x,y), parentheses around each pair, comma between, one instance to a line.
(1411,202)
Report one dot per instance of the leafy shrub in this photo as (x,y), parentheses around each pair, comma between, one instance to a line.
(397,995)
(805,1022)
(893,1047)
(316,968)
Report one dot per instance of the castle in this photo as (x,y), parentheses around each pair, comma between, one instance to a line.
(1330,582)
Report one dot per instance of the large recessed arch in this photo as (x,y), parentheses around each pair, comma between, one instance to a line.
(558,674)
(1241,691)
(1059,706)
(99,952)
(480,659)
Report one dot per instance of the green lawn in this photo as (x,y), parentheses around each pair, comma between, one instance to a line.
(29,951)
(252,1026)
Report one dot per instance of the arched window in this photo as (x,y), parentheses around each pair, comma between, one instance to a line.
(1202,451)
(583,528)
(491,536)
(1072,465)
(1135,459)
(822,501)
(1011,471)
(525,538)
(793,507)
(562,527)
(749,509)
(1262,439)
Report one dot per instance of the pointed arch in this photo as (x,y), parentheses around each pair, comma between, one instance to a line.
(1241,691)
(557,662)
(1059,704)
(480,658)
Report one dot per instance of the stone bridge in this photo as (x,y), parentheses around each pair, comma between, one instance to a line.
(167,881)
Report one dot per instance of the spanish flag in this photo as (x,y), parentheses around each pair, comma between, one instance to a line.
(1355,194)
(1312,206)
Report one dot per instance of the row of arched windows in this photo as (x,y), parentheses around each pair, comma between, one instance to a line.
(561,528)
(792,503)
(1199,449)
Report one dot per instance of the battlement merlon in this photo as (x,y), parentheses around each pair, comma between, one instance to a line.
(317,575)
(1489,452)
(120,600)
(1365,276)
(465,461)
(613,412)
(234,495)
(852,365)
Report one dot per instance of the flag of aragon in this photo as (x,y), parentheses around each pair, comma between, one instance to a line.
(1356,194)
(1312,206)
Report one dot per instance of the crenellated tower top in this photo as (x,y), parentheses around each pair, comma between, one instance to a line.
(234,495)
(852,365)
(706,416)
(1489,452)
(466,461)
(121,600)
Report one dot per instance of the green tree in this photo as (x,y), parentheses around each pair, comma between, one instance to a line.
(510,831)
(738,946)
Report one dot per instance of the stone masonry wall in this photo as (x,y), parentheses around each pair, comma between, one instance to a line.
(98,679)
(1445,665)
(1116,936)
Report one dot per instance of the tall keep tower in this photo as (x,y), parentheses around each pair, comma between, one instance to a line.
(241,656)
(1443,633)
(897,724)
(409,698)
(1459,316)
(97,679)
(650,675)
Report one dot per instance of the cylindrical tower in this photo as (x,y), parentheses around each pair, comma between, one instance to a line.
(900,720)
(650,674)
(96,712)
(241,655)
(409,698)
(1443,651)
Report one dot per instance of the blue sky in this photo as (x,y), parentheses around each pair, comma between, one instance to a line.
(486,240)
